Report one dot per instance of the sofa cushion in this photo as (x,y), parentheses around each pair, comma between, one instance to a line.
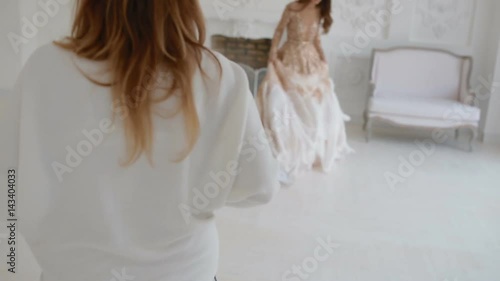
(441,109)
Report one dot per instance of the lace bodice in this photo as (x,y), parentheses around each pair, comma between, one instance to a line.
(302,26)
(301,30)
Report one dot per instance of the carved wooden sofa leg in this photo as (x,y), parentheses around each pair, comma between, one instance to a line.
(368,129)
(473,137)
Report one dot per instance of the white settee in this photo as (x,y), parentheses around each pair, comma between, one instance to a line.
(422,88)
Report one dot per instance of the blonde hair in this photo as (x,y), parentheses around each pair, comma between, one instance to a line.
(137,37)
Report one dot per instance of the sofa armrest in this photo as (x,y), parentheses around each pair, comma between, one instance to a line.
(471,98)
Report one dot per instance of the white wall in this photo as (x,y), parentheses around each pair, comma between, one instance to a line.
(9,67)
(492,129)
(471,31)
(9,61)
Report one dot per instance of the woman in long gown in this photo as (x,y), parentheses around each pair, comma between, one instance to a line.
(296,100)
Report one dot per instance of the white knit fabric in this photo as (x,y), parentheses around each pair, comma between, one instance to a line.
(97,220)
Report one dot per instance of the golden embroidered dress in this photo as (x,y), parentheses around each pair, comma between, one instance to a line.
(297,102)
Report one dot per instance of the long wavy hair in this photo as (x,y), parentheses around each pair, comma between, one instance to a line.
(325,7)
(140,39)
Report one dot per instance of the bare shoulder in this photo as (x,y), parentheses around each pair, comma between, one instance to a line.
(294,6)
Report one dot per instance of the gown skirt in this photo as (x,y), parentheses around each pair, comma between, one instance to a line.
(300,111)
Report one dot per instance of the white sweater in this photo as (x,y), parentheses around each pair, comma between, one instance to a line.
(86,218)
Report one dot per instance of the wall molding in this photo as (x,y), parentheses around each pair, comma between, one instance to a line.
(352,16)
(443,21)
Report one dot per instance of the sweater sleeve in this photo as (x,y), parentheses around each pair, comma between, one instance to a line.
(256,181)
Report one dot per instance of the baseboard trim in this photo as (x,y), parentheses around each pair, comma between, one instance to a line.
(382,128)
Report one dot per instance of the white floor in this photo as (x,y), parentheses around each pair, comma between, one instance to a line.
(443,223)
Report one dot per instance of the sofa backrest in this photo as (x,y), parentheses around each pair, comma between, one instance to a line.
(415,72)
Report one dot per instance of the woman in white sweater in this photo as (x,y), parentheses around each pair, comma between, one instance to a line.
(131,135)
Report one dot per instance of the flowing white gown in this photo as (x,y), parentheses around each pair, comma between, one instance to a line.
(297,101)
